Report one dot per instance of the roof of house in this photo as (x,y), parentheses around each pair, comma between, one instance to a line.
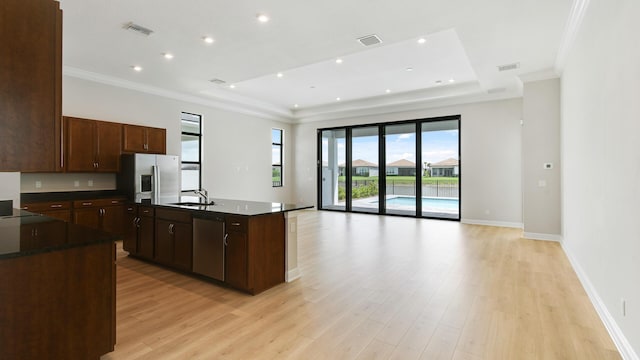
(360,163)
(446,163)
(402,163)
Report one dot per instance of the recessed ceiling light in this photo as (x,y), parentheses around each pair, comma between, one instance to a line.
(422,41)
(408,69)
(338,61)
(232,86)
(168,56)
(208,39)
(451,80)
(262,18)
(337,99)
(295,106)
(312,87)
(279,75)
(137,68)
(387,91)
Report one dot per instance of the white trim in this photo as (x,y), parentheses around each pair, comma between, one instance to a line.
(625,349)
(492,223)
(542,236)
(578,9)
(222,101)
(293,274)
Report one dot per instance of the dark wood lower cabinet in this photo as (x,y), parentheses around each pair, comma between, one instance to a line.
(58,305)
(235,266)
(174,238)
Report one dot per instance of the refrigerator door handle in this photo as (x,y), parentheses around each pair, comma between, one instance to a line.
(156,185)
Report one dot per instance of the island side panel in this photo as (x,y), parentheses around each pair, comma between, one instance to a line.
(266,251)
(58,305)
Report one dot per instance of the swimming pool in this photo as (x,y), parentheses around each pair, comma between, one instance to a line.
(428,203)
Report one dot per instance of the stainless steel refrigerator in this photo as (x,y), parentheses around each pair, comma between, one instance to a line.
(150,178)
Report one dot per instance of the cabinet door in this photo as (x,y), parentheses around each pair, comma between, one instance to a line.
(108,145)
(133,138)
(146,237)
(81,146)
(29,85)
(183,246)
(164,241)
(64,215)
(156,141)
(89,217)
(236,260)
(130,229)
(112,219)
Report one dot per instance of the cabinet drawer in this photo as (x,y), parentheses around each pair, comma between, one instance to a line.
(78,204)
(147,211)
(236,223)
(174,215)
(47,206)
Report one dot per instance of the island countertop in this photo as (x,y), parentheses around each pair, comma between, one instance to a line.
(228,206)
(24,233)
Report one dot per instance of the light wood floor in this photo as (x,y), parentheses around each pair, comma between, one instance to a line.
(373,288)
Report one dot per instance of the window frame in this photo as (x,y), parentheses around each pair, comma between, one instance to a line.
(281,155)
(199,162)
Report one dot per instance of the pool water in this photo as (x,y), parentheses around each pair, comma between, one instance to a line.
(427,202)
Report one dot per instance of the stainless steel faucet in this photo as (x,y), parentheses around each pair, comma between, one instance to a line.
(204,194)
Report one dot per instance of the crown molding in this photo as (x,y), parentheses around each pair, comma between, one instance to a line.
(578,9)
(237,104)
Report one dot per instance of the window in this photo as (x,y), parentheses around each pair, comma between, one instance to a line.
(191,153)
(276,157)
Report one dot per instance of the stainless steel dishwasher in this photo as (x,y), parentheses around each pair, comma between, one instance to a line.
(208,247)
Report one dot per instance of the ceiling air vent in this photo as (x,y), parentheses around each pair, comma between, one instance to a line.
(507,67)
(137,28)
(370,40)
(218,81)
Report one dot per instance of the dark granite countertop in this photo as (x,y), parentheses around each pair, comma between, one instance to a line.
(24,233)
(227,206)
(68,196)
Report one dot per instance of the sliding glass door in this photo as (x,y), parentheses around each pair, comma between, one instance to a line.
(441,169)
(409,168)
(333,152)
(365,185)
(400,172)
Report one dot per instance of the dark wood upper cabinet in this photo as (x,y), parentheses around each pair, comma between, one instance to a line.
(30,85)
(92,146)
(143,139)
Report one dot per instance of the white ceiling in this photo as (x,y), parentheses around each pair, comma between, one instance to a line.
(465,41)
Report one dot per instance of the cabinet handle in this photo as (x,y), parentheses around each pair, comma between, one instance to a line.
(56,206)
(87,204)
(115,201)
(171,226)
(235,224)
(146,146)
(226,242)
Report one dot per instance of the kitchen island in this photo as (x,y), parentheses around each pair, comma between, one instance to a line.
(247,245)
(58,289)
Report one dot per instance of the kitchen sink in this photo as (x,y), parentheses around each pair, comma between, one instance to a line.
(191,203)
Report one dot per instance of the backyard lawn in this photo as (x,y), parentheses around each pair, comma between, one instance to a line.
(404,179)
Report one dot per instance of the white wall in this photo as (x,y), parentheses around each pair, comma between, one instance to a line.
(540,145)
(601,161)
(236,151)
(491,161)
(10,187)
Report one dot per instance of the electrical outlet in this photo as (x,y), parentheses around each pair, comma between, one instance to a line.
(623,303)
(76,183)
(90,183)
(38,184)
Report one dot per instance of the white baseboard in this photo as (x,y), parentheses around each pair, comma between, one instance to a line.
(293,274)
(625,349)
(492,223)
(542,236)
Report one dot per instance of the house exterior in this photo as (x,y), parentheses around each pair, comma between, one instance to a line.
(445,168)
(402,167)
(360,167)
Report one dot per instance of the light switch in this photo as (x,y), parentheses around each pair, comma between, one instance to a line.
(38,184)
(542,183)
(76,183)
(90,183)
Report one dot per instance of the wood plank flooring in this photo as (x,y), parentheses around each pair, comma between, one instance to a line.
(373,288)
